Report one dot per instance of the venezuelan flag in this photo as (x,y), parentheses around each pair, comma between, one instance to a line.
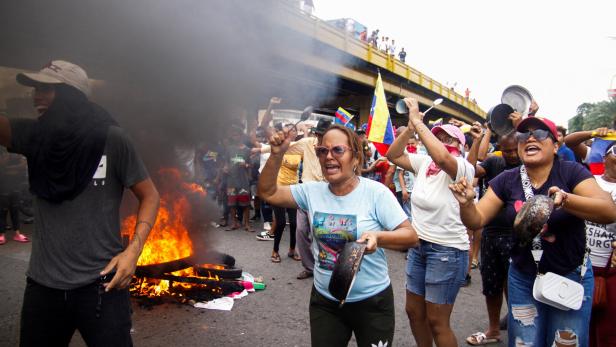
(595,159)
(380,131)
(342,116)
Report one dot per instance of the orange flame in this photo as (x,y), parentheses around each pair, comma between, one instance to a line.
(169,238)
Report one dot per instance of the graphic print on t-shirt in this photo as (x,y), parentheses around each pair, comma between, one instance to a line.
(101,172)
(238,159)
(332,232)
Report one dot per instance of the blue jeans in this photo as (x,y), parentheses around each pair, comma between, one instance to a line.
(532,323)
(436,272)
(406,206)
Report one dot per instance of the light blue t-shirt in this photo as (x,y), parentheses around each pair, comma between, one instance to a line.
(336,220)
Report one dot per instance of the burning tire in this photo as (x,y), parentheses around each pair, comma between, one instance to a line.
(218,270)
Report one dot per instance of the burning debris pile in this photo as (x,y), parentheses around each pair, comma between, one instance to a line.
(168,266)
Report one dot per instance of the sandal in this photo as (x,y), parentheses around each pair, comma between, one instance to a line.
(294,256)
(474,264)
(276,258)
(480,339)
(304,274)
(21,238)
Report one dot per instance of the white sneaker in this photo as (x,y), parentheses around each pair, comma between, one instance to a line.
(265,236)
(267,226)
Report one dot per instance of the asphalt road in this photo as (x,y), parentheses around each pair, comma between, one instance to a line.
(277,316)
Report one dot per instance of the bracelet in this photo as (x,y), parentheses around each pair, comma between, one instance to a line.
(144,222)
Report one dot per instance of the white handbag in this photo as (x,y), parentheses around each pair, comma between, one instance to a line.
(558,291)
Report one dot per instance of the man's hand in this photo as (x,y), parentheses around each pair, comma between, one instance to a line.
(476,130)
(280,140)
(600,132)
(125,264)
(456,122)
(534,107)
(405,196)
(370,238)
(414,114)
(515,118)
(463,192)
(275,100)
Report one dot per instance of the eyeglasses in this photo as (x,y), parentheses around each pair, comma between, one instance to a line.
(611,150)
(337,151)
(538,134)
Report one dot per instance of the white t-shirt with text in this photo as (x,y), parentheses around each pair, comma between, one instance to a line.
(599,237)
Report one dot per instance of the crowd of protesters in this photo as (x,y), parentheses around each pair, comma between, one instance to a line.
(446,196)
(460,190)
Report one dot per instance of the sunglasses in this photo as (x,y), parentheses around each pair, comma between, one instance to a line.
(337,151)
(538,134)
(611,150)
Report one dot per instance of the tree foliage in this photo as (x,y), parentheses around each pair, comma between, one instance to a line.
(591,116)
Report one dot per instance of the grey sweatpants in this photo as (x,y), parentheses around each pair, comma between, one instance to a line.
(304,240)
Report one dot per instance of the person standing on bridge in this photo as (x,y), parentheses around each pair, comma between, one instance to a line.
(437,267)
(402,55)
(79,163)
(392,49)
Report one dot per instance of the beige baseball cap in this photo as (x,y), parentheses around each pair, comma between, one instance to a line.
(55,72)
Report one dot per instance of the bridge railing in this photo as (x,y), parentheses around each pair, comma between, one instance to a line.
(342,40)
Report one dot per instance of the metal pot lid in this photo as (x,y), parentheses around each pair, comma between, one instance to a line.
(345,270)
(517,97)
(532,217)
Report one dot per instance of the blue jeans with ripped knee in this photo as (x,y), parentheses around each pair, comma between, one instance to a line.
(532,323)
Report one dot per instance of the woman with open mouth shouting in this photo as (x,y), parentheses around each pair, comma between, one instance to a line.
(558,249)
(346,208)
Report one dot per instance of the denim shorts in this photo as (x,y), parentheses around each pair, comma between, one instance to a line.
(436,272)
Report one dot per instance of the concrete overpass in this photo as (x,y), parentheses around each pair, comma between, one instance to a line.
(360,70)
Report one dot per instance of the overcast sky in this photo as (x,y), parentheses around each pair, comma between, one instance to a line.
(561,51)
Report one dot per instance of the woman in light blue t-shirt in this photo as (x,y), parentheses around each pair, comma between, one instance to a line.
(345,208)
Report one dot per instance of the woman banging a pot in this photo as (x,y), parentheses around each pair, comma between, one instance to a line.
(346,208)
(558,249)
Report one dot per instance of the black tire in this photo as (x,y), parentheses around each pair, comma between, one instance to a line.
(226,273)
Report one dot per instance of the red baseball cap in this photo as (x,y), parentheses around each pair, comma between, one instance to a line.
(538,122)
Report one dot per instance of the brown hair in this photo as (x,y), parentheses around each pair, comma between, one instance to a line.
(357,149)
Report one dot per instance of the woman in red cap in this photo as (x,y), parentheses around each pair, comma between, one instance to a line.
(558,249)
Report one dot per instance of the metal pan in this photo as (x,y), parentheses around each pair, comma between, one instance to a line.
(498,116)
(345,270)
(517,97)
(532,217)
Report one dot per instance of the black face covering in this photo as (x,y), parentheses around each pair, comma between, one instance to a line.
(69,141)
